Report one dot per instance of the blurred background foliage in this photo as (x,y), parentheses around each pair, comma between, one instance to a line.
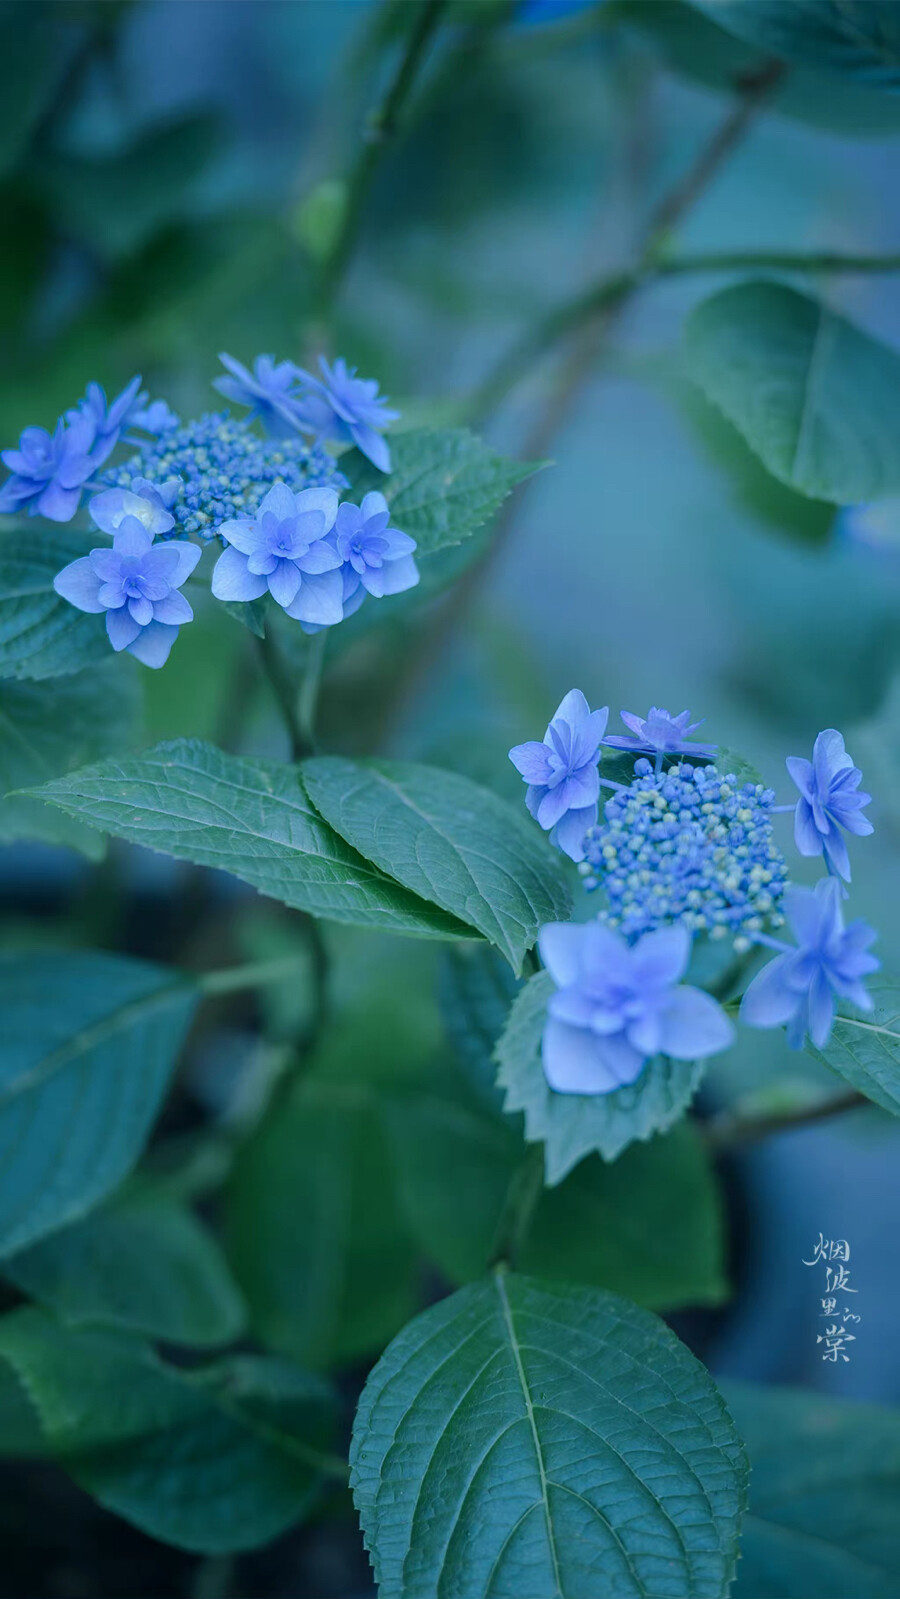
(170,182)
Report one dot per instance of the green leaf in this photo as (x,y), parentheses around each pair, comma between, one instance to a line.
(314,1233)
(649,1226)
(864,1047)
(574,1125)
(36,48)
(46,731)
(448,840)
(20,1430)
(524,1438)
(477,989)
(42,635)
(443,485)
(90,1044)
(251,818)
(813,395)
(824,1486)
(250,613)
(853,38)
(213,1460)
(142,1262)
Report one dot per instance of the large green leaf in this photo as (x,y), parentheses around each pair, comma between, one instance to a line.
(251,818)
(315,1235)
(42,635)
(443,485)
(521,1438)
(49,729)
(90,1044)
(571,1126)
(219,1459)
(864,1046)
(142,1262)
(648,1226)
(855,38)
(450,841)
(824,1489)
(476,995)
(813,395)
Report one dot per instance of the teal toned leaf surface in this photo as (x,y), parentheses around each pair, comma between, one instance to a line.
(854,38)
(824,1488)
(42,635)
(448,840)
(521,1438)
(648,1226)
(90,1044)
(571,1126)
(217,1459)
(864,1047)
(251,818)
(813,395)
(477,989)
(141,1262)
(49,729)
(315,1234)
(444,484)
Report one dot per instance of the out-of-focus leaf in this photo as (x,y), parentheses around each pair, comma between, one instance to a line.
(448,840)
(90,1044)
(571,1126)
(142,1263)
(824,1483)
(813,395)
(213,1460)
(47,729)
(852,38)
(557,1441)
(37,44)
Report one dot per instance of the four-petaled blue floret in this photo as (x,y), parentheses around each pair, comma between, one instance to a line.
(799,988)
(562,775)
(270,391)
(378,558)
(136,582)
(347,410)
(659,734)
(830,799)
(49,470)
(284,550)
(617,1004)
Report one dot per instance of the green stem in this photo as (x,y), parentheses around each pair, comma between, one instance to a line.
(285,691)
(380,129)
(731,1131)
(525,1189)
(255,974)
(310,686)
(811,261)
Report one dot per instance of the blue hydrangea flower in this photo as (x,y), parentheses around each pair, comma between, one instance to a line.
(875,524)
(136,582)
(659,734)
(829,800)
(377,556)
(142,502)
(798,989)
(690,846)
(284,550)
(152,416)
(270,391)
(561,773)
(225,469)
(617,1004)
(347,410)
(108,420)
(49,470)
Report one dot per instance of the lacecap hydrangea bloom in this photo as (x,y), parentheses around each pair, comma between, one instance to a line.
(799,988)
(224,469)
(685,849)
(830,799)
(270,391)
(137,581)
(562,772)
(617,1004)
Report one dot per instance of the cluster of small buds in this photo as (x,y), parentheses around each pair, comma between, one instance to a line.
(690,846)
(226,469)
